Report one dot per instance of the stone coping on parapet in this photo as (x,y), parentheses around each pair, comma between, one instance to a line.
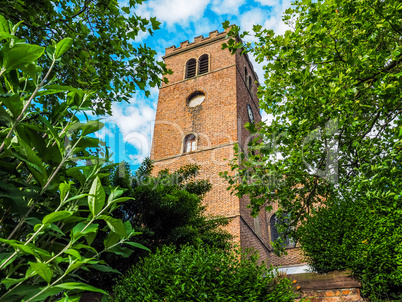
(198,41)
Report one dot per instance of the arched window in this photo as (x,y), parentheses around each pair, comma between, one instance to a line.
(250,82)
(245,75)
(203,64)
(190,143)
(190,68)
(273,223)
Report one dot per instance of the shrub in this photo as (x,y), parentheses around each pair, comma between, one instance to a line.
(202,274)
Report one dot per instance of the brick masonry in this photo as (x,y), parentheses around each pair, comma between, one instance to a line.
(337,286)
(218,124)
(334,295)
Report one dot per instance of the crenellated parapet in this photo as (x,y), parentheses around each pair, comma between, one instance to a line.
(198,41)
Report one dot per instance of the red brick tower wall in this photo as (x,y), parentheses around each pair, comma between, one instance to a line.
(214,121)
(218,124)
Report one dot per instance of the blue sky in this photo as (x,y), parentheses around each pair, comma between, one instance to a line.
(129,130)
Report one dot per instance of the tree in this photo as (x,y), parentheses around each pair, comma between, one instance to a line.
(102,58)
(166,209)
(169,207)
(50,202)
(332,84)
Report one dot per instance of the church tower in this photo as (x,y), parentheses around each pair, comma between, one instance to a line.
(200,115)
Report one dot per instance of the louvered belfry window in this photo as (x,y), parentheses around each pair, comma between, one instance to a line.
(203,66)
(190,68)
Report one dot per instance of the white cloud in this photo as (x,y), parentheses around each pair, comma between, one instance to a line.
(174,11)
(204,26)
(275,17)
(223,7)
(269,19)
(130,125)
(252,17)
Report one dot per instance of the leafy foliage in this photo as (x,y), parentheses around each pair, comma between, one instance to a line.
(362,232)
(170,208)
(201,274)
(50,203)
(167,210)
(102,57)
(332,84)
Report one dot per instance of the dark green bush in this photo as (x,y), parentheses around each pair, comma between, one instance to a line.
(201,274)
(361,230)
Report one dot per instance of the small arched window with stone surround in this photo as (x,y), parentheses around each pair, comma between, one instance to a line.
(190,143)
(273,224)
(191,67)
(195,99)
(203,64)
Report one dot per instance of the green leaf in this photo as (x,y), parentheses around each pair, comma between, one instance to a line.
(96,200)
(90,238)
(42,270)
(24,248)
(31,70)
(105,268)
(64,188)
(121,199)
(137,245)
(15,27)
(56,229)
(79,246)
(62,47)
(74,253)
(116,225)
(48,292)
(4,257)
(4,25)
(121,251)
(33,162)
(226,24)
(53,132)
(56,216)
(77,197)
(4,35)
(21,54)
(91,126)
(125,9)
(79,231)
(111,239)
(61,88)
(13,103)
(5,116)
(10,281)
(80,286)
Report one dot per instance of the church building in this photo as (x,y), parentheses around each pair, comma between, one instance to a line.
(200,116)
